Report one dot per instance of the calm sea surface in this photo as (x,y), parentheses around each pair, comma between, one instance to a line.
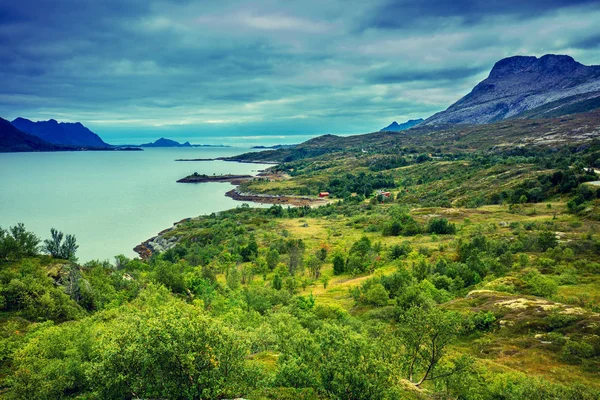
(111,201)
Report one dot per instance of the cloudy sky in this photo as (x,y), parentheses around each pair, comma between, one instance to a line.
(205,70)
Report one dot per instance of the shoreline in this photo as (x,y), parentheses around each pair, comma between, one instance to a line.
(158,243)
(227,160)
(297,201)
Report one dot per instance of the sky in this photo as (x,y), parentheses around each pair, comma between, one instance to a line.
(266,71)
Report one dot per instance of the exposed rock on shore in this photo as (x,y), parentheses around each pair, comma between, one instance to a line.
(275,199)
(158,243)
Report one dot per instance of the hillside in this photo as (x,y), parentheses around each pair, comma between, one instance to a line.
(63,133)
(519,84)
(13,140)
(509,134)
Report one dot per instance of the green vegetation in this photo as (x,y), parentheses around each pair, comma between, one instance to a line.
(477,278)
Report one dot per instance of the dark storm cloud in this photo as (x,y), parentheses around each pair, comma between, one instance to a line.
(406,13)
(590,42)
(266,66)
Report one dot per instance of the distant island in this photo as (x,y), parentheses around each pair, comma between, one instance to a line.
(202,178)
(163,142)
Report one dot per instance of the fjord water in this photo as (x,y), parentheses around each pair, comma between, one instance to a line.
(112,200)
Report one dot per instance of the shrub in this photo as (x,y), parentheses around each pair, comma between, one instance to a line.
(377,295)
(441,226)
(339,265)
(400,250)
(574,351)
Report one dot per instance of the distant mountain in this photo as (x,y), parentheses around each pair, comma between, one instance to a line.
(277,146)
(13,140)
(396,127)
(519,84)
(162,142)
(63,133)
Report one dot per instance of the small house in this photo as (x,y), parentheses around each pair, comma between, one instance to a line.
(324,194)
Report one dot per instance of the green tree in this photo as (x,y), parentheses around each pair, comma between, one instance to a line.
(272,259)
(339,264)
(277,282)
(377,295)
(314,265)
(295,248)
(425,334)
(16,243)
(234,279)
(57,248)
(163,348)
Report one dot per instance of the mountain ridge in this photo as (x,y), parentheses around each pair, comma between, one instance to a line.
(396,127)
(518,84)
(60,133)
(13,140)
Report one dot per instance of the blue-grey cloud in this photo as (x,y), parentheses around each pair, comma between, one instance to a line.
(394,14)
(142,67)
(589,42)
(398,75)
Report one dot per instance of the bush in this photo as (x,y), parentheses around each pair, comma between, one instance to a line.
(574,351)
(377,295)
(400,250)
(339,265)
(441,226)
(540,285)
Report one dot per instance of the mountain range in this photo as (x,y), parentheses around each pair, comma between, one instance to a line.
(12,140)
(61,133)
(523,87)
(517,87)
(396,127)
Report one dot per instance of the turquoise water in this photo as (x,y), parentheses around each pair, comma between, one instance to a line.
(111,201)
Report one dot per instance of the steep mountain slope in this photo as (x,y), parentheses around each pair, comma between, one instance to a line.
(396,127)
(13,140)
(70,134)
(518,84)
(162,142)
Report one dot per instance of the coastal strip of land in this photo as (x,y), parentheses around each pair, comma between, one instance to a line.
(297,201)
(163,242)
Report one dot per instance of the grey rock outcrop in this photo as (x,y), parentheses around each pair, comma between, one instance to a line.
(519,84)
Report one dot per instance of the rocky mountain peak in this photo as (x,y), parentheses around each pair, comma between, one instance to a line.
(519,84)
(548,64)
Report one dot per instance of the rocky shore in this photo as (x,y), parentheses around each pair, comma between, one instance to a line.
(275,199)
(158,243)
